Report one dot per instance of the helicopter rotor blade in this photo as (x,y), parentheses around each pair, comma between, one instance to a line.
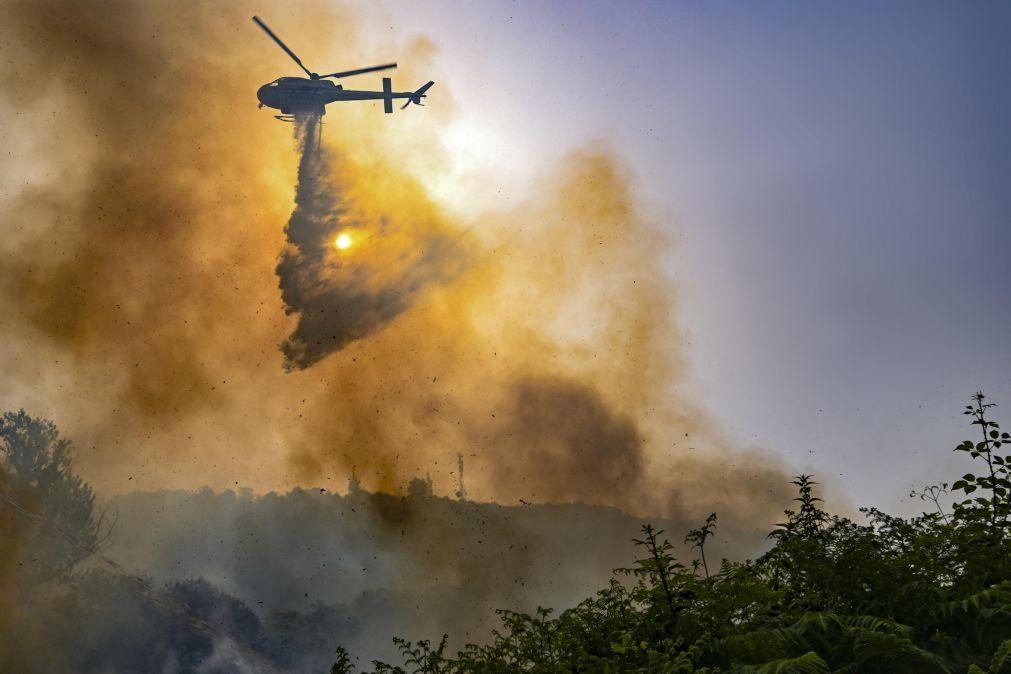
(283,46)
(359,71)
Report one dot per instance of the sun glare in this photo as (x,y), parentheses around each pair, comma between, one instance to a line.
(343,242)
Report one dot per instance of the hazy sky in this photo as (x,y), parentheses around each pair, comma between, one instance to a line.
(837,178)
(834,175)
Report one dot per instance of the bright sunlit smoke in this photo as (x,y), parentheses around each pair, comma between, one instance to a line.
(450,350)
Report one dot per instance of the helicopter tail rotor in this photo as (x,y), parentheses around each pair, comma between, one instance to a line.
(417,96)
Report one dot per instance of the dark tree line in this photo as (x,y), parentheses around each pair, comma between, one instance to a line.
(884,595)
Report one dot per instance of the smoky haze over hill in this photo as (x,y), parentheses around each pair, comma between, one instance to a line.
(383,562)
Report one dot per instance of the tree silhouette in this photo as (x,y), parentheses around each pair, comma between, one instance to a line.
(66,527)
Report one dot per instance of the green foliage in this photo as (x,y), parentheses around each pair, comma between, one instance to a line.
(697,538)
(928,594)
(997,479)
(342,664)
(809,663)
(1001,662)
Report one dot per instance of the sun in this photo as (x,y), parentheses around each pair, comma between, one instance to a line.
(343,242)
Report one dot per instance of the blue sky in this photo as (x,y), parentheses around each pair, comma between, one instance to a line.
(837,178)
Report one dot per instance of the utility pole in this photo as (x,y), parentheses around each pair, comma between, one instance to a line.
(461,493)
(354,485)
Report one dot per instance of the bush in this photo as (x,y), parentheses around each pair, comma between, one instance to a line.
(919,595)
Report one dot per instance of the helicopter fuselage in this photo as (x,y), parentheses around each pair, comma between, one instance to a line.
(297,94)
(293,95)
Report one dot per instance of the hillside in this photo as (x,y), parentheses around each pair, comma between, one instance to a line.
(416,565)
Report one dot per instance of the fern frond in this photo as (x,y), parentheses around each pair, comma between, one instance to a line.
(891,652)
(1001,662)
(809,663)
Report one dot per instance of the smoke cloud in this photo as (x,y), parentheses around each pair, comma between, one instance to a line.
(147,198)
(566,429)
(344,295)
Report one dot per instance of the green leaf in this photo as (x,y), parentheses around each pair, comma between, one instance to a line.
(1001,662)
(809,663)
(876,651)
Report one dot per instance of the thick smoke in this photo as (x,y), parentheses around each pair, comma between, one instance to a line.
(566,429)
(340,296)
(146,200)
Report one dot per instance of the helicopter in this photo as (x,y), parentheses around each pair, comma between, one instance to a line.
(298,95)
